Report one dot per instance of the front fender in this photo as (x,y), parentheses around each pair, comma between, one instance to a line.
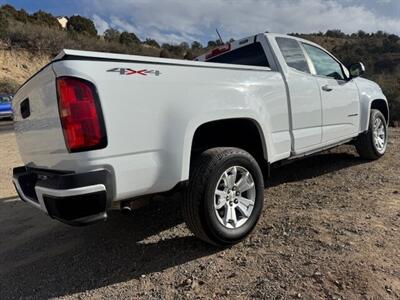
(369,91)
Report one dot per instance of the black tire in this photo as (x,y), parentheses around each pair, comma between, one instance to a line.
(365,144)
(198,202)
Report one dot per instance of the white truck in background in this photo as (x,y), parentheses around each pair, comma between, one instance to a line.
(98,130)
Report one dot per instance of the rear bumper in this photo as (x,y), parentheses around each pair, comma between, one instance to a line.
(75,199)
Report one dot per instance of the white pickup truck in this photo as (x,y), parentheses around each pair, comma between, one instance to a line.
(97,131)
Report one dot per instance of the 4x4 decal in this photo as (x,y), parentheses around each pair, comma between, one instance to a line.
(128,71)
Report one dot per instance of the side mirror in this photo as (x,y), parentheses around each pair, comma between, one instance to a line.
(357,69)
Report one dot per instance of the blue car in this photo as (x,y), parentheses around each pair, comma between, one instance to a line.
(6,111)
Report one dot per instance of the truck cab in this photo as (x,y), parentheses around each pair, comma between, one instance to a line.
(324,98)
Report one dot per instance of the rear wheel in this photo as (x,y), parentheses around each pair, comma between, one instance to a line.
(372,144)
(224,198)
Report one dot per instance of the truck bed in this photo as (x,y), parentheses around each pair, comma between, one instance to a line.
(151,107)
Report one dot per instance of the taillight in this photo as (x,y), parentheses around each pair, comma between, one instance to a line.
(80,114)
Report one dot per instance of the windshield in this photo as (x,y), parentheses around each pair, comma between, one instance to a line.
(5,99)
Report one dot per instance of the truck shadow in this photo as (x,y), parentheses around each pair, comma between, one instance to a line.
(6,126)
(313,166)
(42,258)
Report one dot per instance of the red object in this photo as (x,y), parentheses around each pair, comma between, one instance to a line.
(140,72)
(218,51)
(80,114)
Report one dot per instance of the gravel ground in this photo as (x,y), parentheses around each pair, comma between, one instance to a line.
(330,229)
(9,158)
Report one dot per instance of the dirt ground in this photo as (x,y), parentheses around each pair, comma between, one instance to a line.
(18,65)
(330,230)
(9,158)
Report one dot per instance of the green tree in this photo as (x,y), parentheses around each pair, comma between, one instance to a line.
(152,42)
(8,10)
(128,38)
(81,25)
(3,24)
(43,18)
(22,16)
(336,33)
(211,44)
(176,51)
(165,53)
(393,38)
(189,55)
(112,35)
(361,34)
(197,45)
(184,46)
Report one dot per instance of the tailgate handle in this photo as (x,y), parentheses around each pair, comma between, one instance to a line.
(25,108)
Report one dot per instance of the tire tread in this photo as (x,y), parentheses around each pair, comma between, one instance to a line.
(203,166)
(364,143)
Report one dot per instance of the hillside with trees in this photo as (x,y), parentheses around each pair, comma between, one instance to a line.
(40,35)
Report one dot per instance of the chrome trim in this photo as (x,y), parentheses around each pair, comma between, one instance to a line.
(40,191)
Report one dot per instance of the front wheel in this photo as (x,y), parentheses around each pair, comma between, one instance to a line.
(372,144)
(224,198)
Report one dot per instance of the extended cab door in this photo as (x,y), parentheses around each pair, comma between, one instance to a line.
(304,98)
(340,99)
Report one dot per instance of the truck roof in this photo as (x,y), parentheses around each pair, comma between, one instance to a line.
(227,47)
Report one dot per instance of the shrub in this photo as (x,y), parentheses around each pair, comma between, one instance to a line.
(3,25)
(112,35)
(197,45)
(152,43)
(22,16)
(128,38)
(8,10)
(165,53)
(81,25)
(8,86)
(43,18)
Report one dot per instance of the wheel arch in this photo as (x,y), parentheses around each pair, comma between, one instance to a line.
(376,103)
(244,132)
(382,106)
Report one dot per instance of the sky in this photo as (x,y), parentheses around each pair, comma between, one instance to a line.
(175,21)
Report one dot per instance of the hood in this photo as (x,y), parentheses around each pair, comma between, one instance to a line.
(360,81)
(4,107)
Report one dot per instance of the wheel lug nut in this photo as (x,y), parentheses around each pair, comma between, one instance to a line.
(237,193)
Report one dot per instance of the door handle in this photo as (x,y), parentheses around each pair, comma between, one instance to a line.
(326,88)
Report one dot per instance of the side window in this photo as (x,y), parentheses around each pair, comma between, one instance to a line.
(251,55)
(324,64)
(293,54)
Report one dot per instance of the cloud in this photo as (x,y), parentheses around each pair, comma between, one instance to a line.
(101,25)
(182,20)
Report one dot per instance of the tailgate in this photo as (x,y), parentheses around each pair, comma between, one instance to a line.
(37,123)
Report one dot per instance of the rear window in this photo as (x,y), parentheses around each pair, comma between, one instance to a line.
(293,54)
(250,55)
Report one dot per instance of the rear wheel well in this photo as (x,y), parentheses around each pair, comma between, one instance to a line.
(381,105)
(240,133)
